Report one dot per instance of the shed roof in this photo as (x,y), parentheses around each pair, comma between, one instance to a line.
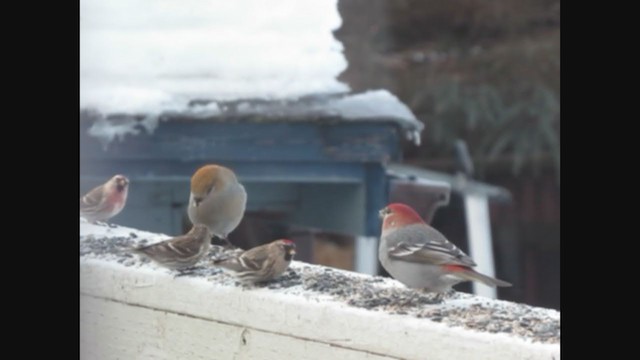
(372,106)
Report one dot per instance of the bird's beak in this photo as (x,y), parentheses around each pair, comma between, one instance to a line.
(382,213)
(122,183)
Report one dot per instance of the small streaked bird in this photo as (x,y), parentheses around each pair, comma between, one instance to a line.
(182,252)
(105,201)
(419,256)
(217,200)
(262,263)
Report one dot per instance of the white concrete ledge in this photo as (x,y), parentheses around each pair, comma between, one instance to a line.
(134,310)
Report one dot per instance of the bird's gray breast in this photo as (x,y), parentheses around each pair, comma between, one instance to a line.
(222,210)
(412,274)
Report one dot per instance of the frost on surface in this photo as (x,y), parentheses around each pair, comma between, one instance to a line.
(322,284)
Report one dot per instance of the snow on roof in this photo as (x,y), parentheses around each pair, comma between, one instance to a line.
(218,59)
(145,55)
(379,105)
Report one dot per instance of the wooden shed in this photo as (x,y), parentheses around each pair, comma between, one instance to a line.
(316,162)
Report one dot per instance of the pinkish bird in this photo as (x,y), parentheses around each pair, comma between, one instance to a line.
(419,256)
(105,201)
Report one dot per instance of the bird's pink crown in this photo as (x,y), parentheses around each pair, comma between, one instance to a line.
(405,211)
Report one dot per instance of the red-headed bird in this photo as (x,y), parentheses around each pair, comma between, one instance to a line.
(105,201)
(419,256)
(262,263)
(180,252)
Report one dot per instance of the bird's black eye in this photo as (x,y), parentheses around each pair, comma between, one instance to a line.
(197,200)
(288,254)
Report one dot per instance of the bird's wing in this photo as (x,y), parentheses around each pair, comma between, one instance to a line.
(187,245)
(182,246)
(93,201)
(436,250)
(254,259)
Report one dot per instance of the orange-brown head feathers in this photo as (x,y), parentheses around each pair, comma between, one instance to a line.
(208,177)
(397,215)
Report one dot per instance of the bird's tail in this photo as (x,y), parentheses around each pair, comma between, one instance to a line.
(221,254)
(472,275)
(140,250)
(219,260)
(229,262)
(135,250)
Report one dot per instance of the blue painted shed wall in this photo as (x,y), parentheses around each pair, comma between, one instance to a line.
(324,175)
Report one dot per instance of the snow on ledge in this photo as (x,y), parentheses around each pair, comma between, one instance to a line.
(131,308)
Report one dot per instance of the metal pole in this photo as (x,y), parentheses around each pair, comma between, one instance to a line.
(366,260)
(480,245)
